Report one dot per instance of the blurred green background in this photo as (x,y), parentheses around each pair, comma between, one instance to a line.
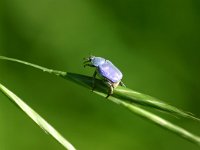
(155,43)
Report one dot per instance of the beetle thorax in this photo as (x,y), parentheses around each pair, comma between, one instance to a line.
(97,61)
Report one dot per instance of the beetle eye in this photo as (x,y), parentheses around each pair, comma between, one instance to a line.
(91,58)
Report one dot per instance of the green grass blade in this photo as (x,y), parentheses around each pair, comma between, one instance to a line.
(158,121)
(146,100)
(129,95)
(44,69)
(127,98)
(36,118)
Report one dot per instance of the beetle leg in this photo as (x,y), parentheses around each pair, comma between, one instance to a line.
(122,84)
(93,81)
(110,90)
(90,65)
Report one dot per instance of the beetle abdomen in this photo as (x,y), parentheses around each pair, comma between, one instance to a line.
(110,72)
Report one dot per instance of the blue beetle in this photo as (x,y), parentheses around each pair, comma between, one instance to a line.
(106,71)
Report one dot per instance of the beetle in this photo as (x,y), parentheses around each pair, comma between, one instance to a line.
(106,71)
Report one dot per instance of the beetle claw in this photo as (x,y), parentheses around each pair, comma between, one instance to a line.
(122,84)
(107,96)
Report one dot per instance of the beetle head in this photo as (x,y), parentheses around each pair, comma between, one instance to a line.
(88,60)
(93,61)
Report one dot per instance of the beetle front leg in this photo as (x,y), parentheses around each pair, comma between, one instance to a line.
(93,81)
(90,65)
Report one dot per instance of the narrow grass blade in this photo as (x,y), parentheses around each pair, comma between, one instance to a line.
(157,120)
(51,71)
(37,118)
(146,100)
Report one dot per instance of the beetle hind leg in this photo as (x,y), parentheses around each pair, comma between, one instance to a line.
(122,84)
(111,89)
